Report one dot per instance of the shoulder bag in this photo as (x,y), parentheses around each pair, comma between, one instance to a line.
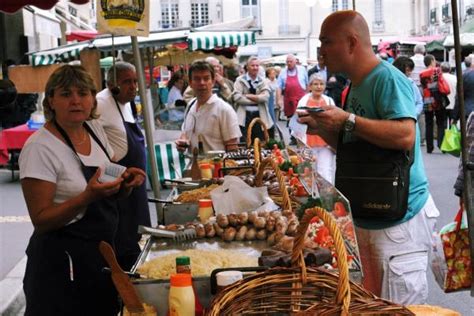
(375,180)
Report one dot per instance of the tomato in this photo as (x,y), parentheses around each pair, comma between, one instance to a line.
(339,209)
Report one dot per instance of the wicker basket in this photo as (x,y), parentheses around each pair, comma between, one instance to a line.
(264,130)
(301,290)
(257,153)
(282,200)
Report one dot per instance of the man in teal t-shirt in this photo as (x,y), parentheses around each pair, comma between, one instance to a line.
(380,110)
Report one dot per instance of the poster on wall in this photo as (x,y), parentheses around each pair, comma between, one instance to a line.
(123,17)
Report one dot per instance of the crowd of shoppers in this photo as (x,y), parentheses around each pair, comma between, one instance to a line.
(72,209)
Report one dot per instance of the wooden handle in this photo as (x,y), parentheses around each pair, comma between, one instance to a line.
(262,126)
(343,294)
(195,171)
(286,202)
(121,281)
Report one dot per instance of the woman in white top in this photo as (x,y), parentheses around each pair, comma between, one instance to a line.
(176,86)
(70,208)
(324,154)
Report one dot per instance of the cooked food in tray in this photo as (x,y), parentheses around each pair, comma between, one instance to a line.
(203,262)
(193,196)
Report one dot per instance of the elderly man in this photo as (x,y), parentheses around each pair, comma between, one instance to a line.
(118,117)
(223,87)
(251,95)
(209,119)
(418,59)
(380,111)
(292,84)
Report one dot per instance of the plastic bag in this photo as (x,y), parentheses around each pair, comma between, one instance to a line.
(451,259)
(452,141)
(236,196)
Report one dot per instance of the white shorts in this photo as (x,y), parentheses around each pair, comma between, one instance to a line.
(395,259)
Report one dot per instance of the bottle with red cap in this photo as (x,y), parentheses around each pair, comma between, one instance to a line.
(181,297)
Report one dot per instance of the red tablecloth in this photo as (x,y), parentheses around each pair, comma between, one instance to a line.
(13,138)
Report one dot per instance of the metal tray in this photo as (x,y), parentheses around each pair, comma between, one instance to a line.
(156,291)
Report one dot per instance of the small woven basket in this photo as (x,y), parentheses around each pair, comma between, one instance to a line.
(283,200)
(264,130)
(301,290)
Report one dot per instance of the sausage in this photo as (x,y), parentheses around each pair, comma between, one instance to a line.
(243,218)
(241,233)
(250,234)
(222,220)
(233,219)
(210,231)
(229,233)
(219,230)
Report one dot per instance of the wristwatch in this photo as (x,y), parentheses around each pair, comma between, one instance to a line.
(349,124)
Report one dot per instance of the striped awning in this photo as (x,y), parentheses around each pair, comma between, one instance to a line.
(211,40)
(70,52)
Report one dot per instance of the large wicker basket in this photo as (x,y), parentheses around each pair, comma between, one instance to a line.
(301,290)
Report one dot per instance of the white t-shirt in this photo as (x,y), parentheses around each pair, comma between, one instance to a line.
(216,122)
(452,82)
(46,157)
(112,121)
(173,95)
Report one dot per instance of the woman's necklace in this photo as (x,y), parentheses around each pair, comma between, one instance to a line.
(82,141)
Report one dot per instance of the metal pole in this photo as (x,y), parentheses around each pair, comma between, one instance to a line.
(146,118)
(354,5)
(467,192)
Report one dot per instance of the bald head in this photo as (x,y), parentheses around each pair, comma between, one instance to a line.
(345,41)
(349,22)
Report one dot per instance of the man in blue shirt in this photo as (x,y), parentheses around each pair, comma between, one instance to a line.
(380,110)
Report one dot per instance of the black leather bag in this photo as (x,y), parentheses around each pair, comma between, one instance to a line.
(374,180)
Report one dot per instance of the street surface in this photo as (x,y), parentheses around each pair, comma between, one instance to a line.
(15,226)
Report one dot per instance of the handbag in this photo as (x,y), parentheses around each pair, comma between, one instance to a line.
(451,143)
(452,266)
(375,180)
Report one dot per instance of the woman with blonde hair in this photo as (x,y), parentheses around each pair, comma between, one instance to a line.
(71,206)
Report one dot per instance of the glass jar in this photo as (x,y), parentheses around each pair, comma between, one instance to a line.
(206,170)
(205,210)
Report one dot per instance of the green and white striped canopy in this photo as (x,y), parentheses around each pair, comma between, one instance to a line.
(211,40)
(70,52)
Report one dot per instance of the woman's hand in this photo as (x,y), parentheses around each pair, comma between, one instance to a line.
(133,177)
(96,190)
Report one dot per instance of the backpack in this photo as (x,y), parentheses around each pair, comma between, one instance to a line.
(436,89)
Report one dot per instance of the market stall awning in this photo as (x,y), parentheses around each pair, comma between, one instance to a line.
(104,44)
(211,40)
(466,39)
(81,35)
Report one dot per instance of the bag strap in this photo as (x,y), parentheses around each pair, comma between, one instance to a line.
(458,218)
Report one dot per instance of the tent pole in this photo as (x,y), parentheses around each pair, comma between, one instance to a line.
(146,118)
(467,192)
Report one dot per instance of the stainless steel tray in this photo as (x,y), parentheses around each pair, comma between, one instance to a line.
(156,291)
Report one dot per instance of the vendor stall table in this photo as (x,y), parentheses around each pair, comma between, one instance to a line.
(12,141)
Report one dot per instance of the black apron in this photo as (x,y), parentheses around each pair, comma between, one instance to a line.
(64,270)
(133,210)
